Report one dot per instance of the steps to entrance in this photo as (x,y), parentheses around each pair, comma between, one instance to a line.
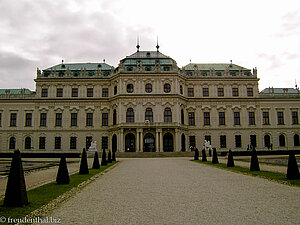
(153,154)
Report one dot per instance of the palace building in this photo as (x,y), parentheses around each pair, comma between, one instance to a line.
(148,104)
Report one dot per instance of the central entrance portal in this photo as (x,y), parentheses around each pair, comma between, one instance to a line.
(149,143)
(130,143)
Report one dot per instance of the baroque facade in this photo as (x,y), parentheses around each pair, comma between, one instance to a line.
(148,104)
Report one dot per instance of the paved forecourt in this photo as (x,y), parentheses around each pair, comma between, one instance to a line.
(178,191)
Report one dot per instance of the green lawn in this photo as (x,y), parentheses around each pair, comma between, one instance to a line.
(44,194)
(278,177)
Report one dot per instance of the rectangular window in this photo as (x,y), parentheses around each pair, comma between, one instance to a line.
(266,120)
(43,119)
(104,119)
(190,92)
(105,92)
(251,118)
(220,92)
(237,120)
(42,142)
(250,92)
(104,142)
(44,92)
(88,141)
(73,142)
(192,118)
(221,118)
(59,92)
(205,92)
(192,140)
(253,140)
(28,119)
(89,92)
(13,119)
(73,119)
(57,143)
(294,117)
(238,141)
(206,118)
(74,92)
(280,118)
(89,119)
(207,138)
(235,92)
(223,141)
(58,120)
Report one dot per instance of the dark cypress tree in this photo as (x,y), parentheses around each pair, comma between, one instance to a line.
(103,160)
(96,164)
(113,156)
(196,156)
(230,161)
(215,159)
(62,176)
(15,194)
(109,157)
(84,169)
(292,169)
(254,165)
(204,159)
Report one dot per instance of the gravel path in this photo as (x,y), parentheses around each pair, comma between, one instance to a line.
(178,191)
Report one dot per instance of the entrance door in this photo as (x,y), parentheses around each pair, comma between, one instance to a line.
(130,143)
(114,143)
(168,142)
(149,143)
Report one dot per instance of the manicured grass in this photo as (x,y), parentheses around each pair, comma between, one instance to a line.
(44,194)
(278,177)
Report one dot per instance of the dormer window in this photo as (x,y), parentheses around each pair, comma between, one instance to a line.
(218,73)
(99,65)
(233,73)
(75,73)
(166,68)
(61,73)
(46,73)
(63,66)
(91,73)
(129,68)
(148,68)
(148,54)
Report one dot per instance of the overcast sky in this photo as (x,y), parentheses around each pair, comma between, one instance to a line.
(257,33)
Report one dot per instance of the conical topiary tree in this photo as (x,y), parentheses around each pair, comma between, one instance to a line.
(109,157)
(15,194)
(254,165)
(215,159)
(230,161)
(292,169)
(204,159)
(84,169)
(103,160)
(62,176)
(196,155)
(96,164)
(113,158)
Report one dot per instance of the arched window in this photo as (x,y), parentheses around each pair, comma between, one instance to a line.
(281,140)
(115,117)
(148,88)
(12,143)
(115,90)
(167,115)
(182,116)
(167,88)
(27,143)
(130,115)
(149,115)
(129,88)
(267,141)
(181,90)
(296,140)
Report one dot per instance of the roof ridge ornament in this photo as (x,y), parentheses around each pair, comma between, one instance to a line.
(138,44)
(157,46)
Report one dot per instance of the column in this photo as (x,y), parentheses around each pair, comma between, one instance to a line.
(160,142)
(137,141)
(157,141)
(121,141)
(177,141)
(141,141)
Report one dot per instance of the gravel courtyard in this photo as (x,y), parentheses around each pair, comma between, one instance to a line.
(178,191)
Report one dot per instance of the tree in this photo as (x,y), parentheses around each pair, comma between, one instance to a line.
(84,169)
(103,160)
(196,156)
(230,161)
(109,157)
(113,156)
(15,194)
(62,176)
(215,156)
(254,165)
(204,159)
(96,164)
(292,169)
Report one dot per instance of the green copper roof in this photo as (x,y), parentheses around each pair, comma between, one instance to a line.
(147,54)
(79,66)
(215,66)
(279,91)
(15,91)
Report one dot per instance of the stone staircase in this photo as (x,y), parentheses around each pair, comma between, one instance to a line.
(153,154)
